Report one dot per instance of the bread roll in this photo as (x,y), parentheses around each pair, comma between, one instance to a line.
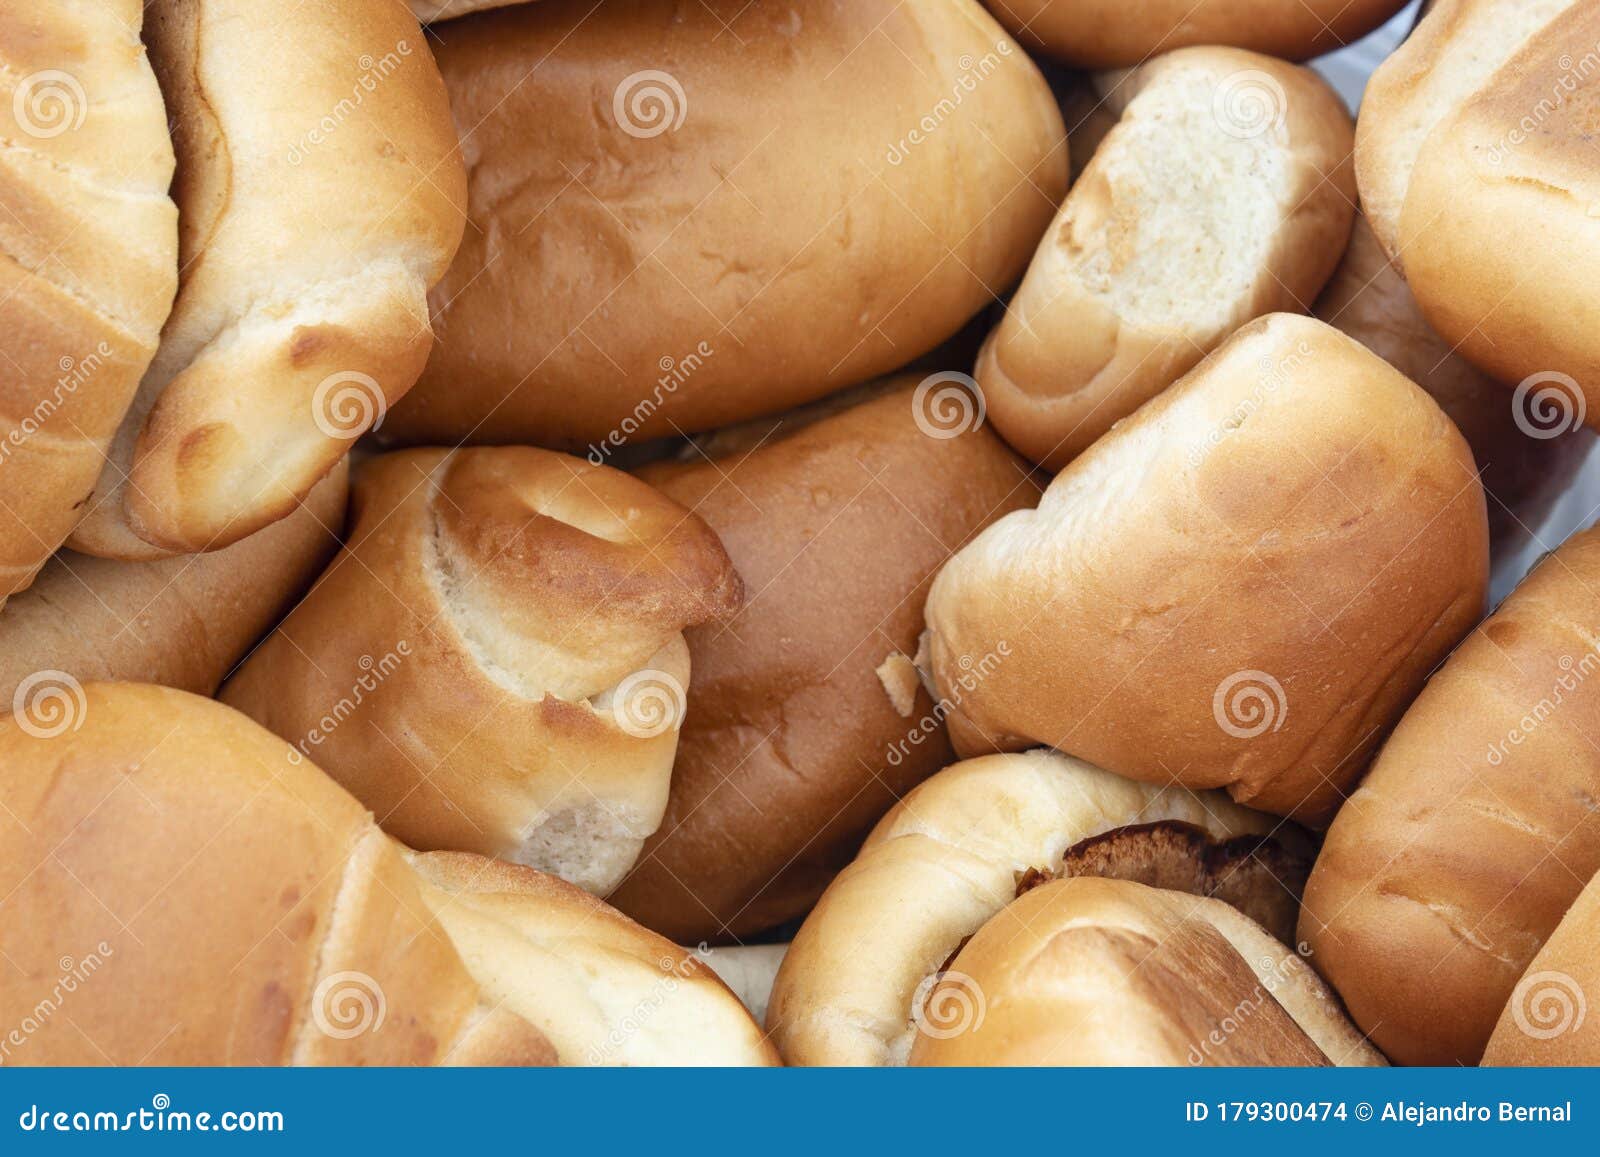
(321,195)
(1225,192)
(1106,972)
(962,846)
(1548,1020)
(837,522)
(90,244)
(687,215)
(1493,269)
(1456,48)
(181,622)
(495,662)
(1475,829)
(180,891)
(1523,472)
(1241,586)
(602,989)
(1114,33)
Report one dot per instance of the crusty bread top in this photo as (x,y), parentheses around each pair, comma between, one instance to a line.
(1106,972)
(1456,48)
(321,196)
(88,257)
(1549,1019)
(140,821)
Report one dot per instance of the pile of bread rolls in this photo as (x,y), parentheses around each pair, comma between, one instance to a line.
(820,532)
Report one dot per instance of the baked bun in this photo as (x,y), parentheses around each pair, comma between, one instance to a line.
(1476,827)
(604,990)
(807,706)
(320,195)
(90,244)
(1524,469)
(140,820)
(1106,972)
(1456,48)
(1547,1021)
(180,622)
(768,220)
(495,662)
(1225,192)
(962,846)
(1114,33)
(1243,585)
(1494,270)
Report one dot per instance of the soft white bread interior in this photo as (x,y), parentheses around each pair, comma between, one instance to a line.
(321,195)
(604,990)
(1548,1021)
(960,847)
(139,821)
(1454,50)
(1475,829)
(495,663)
(88,257)
(1243,585)
(1225,192)
(1092,971)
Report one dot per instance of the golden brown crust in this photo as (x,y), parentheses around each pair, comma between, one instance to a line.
(498,652)
(1548,1020)
(302,311)
(1242,585)
(1106,972)
(1492,271)
(138,818)
(1097,327)
(88,258)
(1115,34)
(181,622)
(837,527)
(1522,475)
(690,214)
(1476,827)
